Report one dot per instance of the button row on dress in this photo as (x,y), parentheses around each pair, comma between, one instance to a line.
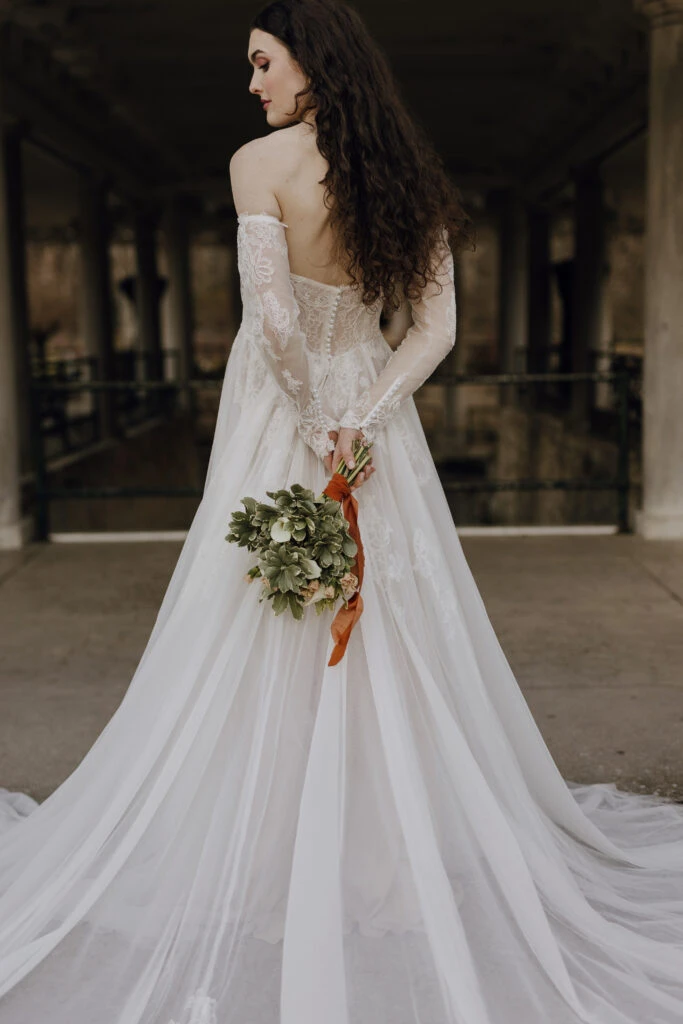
(328,339)
(330,329)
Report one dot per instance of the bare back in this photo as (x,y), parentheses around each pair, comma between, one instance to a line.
(280,173)
(286,168)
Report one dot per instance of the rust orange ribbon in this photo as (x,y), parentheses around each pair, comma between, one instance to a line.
(348,615)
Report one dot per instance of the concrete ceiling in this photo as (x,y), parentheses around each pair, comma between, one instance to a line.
(511,90)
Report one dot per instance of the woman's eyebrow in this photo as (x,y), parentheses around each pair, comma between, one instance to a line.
(255,54)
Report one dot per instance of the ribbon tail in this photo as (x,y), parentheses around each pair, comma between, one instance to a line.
(342,624)
(348,615)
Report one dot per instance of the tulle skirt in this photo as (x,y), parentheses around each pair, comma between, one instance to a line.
(257,838)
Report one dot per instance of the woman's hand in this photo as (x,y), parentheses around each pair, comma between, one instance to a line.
(343,438)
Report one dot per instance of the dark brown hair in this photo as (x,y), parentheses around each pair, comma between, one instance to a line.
(387,190)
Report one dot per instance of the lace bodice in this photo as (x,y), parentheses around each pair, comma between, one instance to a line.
(324,346)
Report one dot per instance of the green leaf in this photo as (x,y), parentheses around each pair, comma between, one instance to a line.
(310,567)
(287,579)
(349,546)
(295,607)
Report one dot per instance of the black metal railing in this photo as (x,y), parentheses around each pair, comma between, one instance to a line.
(620,380)
(618,483)
(73,426)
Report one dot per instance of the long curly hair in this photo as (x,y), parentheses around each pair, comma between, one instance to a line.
(387,190)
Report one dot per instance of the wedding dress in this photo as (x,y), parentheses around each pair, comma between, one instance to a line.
(258,838)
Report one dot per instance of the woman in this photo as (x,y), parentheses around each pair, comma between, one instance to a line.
(257,837)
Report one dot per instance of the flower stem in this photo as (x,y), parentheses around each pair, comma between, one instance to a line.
(362,457)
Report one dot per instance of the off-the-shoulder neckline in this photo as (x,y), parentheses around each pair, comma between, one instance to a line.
(300,277)
(261,216)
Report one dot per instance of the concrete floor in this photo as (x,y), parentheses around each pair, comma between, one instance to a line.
(593,628)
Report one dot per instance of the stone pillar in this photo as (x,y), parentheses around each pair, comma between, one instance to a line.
(97,305)
(539,308)
(147,297)
(588,284)
(662,514)
(514,288)
(180,312)
(14,531)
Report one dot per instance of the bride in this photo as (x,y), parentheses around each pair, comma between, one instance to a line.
(256,837)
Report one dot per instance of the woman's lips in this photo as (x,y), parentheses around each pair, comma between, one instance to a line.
(265,103)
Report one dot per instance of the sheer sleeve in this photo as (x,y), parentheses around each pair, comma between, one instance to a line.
(426,343)
(272,314)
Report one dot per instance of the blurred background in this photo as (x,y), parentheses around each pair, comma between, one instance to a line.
(558,411)
(117,250)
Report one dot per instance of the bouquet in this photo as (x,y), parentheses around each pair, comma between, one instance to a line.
(308,548)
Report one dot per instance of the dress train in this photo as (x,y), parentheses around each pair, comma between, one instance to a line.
(257,838)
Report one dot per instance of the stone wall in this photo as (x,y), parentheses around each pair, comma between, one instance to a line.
(540,445)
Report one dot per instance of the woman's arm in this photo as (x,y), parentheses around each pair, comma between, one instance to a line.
(426,343)
(269,300)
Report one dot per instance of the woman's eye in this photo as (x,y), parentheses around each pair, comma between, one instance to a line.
(264,67)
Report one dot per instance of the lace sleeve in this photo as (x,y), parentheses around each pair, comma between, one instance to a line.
(271,307)
(426,343)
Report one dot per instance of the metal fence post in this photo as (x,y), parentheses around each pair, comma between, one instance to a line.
(42,506)
(623,461)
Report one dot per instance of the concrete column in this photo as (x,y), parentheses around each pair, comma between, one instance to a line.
(539,308)
(588,285)
(180,308)
(147,297)
(662,512)
(514,287)
(97,305)
(14,531)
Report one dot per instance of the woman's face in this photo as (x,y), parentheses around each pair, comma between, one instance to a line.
(276,78)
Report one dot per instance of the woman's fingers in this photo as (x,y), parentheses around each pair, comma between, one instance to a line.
(328,461)
(344,449)
(341,452)
(364,475)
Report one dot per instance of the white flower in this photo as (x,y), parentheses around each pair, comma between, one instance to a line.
(280,530)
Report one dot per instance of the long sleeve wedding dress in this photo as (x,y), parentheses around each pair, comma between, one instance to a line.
(258,838)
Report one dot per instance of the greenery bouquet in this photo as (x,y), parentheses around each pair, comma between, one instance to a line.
(308,549)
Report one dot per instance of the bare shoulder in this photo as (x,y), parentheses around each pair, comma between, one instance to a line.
(259,166)
(283,142)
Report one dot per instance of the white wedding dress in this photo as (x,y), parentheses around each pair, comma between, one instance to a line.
(258,838)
